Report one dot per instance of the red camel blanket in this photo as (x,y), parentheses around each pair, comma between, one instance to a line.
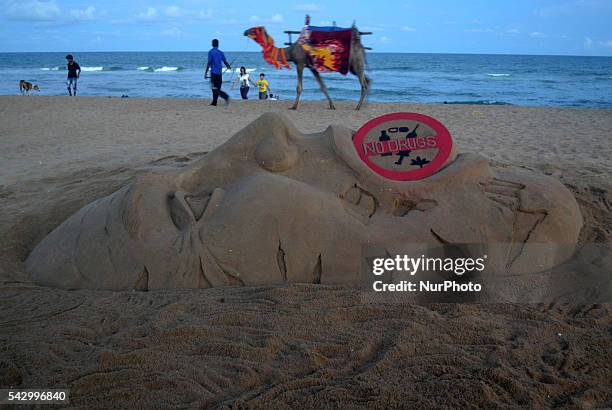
(328,48)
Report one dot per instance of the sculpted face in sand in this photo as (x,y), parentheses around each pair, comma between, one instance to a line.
(273,205)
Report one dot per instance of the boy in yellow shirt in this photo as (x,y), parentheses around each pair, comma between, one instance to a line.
(263,85)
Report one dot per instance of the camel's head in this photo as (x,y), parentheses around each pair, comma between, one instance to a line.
(271,54)
(256,32)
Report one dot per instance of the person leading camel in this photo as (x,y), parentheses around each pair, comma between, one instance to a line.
(215,58)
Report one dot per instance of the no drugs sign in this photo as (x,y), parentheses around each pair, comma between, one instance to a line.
(403,146)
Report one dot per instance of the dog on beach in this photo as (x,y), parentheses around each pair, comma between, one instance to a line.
(27,87)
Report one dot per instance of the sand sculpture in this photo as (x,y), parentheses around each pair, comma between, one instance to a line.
(273,206)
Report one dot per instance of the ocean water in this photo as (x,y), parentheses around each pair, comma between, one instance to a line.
(557,81)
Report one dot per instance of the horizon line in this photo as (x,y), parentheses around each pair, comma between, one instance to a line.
(371,52)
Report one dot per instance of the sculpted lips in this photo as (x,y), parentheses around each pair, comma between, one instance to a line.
(187,209)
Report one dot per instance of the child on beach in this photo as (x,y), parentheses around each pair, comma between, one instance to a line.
(264,87)
(74,72)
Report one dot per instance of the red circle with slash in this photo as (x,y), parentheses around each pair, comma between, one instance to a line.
(385,142)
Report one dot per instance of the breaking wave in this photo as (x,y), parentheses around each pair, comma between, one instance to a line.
(85,68)
(100,68)
(478,102)
(165,69)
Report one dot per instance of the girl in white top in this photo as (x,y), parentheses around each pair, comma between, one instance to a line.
(244,80)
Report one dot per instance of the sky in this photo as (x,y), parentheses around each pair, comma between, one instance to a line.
(557,27)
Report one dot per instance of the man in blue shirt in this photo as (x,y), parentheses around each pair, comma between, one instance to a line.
(215,58)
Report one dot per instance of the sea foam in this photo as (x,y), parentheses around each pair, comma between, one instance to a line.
(165,68)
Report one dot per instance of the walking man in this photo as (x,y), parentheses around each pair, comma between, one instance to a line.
(74,72)
(215,58)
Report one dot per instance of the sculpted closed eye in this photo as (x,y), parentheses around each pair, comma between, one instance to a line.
(360,201)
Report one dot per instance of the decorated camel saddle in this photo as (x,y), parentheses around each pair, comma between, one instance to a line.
(328,48)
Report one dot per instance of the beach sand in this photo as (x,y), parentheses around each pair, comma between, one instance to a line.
(288,346)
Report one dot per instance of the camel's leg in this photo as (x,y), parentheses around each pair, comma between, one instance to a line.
(365,86)
(298,89)
(317,76)
(357,68)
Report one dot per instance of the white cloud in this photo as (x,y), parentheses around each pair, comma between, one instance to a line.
(607,44)
(538,34)
(204,14)
(277,18)
(513,31)
(173,11)
(409,29)
(34,10)
(87,14)
(172,32)
(553,11)
(177,12)
(479,30)
(114,33)
(375,29)
(169,13)
(385,40)
(589,43)
(149,14)
(308,7)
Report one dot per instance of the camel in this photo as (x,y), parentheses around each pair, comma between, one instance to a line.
(296,54)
